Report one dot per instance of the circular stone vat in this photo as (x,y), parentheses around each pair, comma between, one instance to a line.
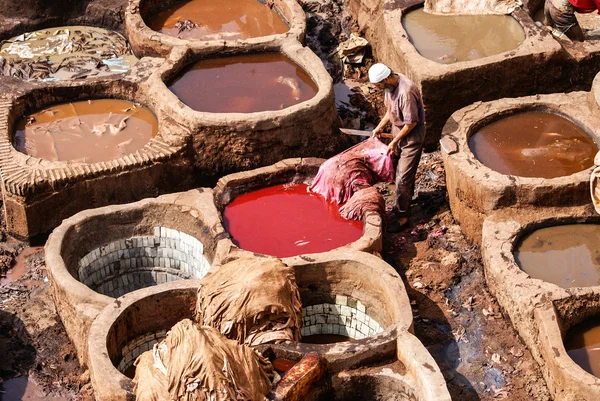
(91,163)
(87,131)
(268,211)
(450,39)
(226,20)
(243,84)
(156,26)
(568,343)
(108,252)
(534,144)
(65,53)
(353,295)
(493,132)
(123,331)
(119,335)
(287,220)
(565,255)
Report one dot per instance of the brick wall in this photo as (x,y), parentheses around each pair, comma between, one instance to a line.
(347,317)
(123,266)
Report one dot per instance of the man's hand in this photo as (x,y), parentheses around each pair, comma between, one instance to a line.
(377,132)
(391,150)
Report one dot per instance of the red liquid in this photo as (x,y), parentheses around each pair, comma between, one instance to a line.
(282,365)
(286,220)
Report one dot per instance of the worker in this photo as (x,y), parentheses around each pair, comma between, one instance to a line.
(560,14)
(404,110)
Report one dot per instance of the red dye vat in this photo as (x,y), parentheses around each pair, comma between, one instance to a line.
(287,220)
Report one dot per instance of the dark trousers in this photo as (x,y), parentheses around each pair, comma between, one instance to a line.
(409,154)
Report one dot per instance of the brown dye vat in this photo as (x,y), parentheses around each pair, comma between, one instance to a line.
(582,343)
(534,144)
(20,268)
(567,255)
(218,20)
(243,84)
(450,39)
(87,131)
(325,339)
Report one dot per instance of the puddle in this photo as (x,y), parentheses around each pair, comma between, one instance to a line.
(450,39)
(64,53)
(20,269)
(88,131)
(583,345)
(286,220)
(566,255)
(21,388)
(325,339)
(218,20)
(534,144)
(243,84)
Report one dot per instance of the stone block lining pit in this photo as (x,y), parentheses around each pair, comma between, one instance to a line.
(346,317)
(129,264)
(104,253)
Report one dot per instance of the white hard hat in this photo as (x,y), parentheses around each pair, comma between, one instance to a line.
(378,72)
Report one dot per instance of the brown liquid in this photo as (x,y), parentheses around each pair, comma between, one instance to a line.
(243,84)
(582,343)
(325,339)
(568,255)
(20,268)
(449,39)
(86,131)
(224,20)
(534,144)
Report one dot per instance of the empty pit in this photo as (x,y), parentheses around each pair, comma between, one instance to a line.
(50,54)
(70,148)
(155,27)
(450,39)
(351,296)
(268,211)
(243,84)
(114,344)
(515,153)
(105,253)
(242,128)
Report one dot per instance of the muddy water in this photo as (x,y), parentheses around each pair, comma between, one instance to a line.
(450,39)
(21,388)
(286,220)
(567,255)
(20,268)
(534,144)
(582,343)
(88,131)
(218,20)
(243,84)
(325,339)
